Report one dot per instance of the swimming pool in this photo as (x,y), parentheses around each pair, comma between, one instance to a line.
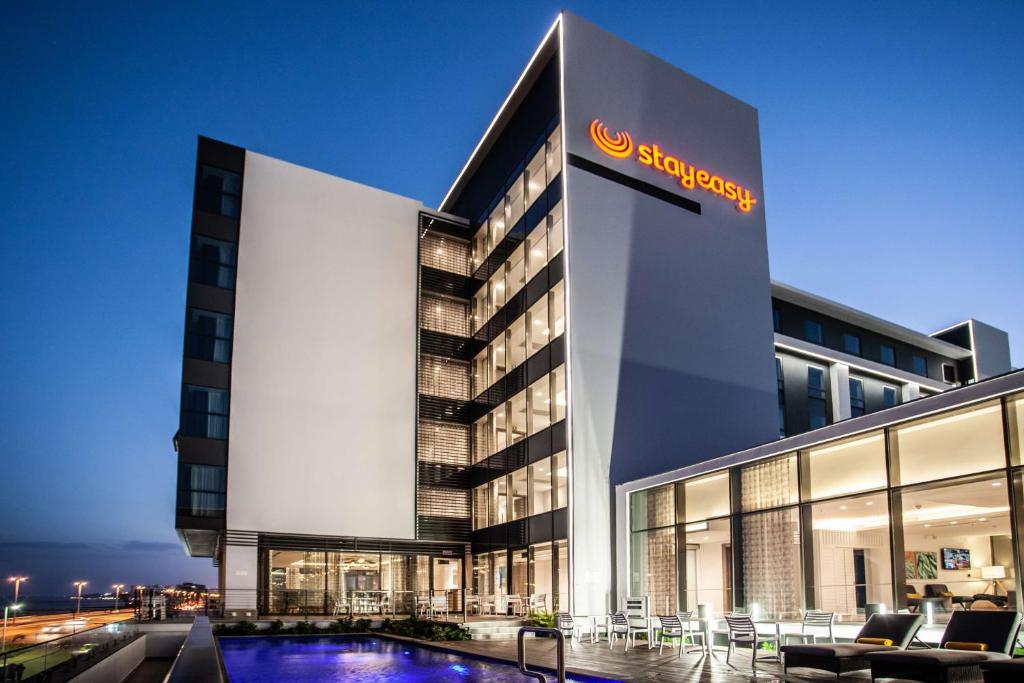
(355,659)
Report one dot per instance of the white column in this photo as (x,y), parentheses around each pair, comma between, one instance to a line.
(910,392)
(240,579)
(839,382)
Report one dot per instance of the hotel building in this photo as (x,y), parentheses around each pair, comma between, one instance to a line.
(378,396)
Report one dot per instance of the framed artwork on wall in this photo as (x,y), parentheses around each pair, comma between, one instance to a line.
(921,564)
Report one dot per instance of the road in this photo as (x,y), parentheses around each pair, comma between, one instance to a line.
(27,631)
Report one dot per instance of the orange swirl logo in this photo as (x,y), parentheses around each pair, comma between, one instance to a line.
(619,146)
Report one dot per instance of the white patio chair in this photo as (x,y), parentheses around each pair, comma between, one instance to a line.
(743,631)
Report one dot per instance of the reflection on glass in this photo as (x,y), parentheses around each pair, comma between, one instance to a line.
(540,404)
(852,565)
(537,331)
(961,442)
(520,493)
(652,508)
(540,486)
(556,237)
(516,340)
(848,466)
(708,567)
(516,271)
(965,524)
(771,563)
(653,568)
(536,250)
(558,309)
(560,464)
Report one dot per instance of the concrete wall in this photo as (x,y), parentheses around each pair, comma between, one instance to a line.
(323,396)
(669,312)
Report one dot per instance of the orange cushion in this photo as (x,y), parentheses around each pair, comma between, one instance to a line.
(875,641)
(913,595)
(960,645)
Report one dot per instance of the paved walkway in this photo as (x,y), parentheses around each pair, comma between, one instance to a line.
(641,665)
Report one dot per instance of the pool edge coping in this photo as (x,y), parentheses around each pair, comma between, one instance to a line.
(429,645)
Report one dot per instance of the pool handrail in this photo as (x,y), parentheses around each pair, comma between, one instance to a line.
(559,652)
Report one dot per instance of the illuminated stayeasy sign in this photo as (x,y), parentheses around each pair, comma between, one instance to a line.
(620,146)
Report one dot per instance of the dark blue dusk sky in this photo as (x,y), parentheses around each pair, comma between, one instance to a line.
(892,151)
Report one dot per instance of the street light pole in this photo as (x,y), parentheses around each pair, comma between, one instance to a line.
(117,594)
(3,643)
(78,604)
(17,584)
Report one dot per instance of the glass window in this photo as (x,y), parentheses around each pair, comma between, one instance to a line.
(952,530)
(954,443)
(562,575)
(208,335)
(480,312)
(556,236)
(920,365)
(558,309)
(537,331)
(515,197)
(536,250)
(560,465)
(213,262)
(516,271)
(496,291)
(654,569)
(772,581)
(708,578)
(497,507)
(499,429)
(520,493)
(520,572)
(496,226)
(782,396)
(1015,423)
(554,153)
(540,404)
(652,508)
(540,487)
(481,372)
(857,405)
(707,496)
(776,320)
(204,412)
(770,483)
(852,566)
(887,354)
(498,359)
(541,574)
(220,191)
(517,343)
(297,581)
(535,180)
(517,427)
(890,397)
(480,245)
(812,331)
(201,490)
(851,344)
(816,406)
(948,373)
(847,466)
(480,507)
(558,389)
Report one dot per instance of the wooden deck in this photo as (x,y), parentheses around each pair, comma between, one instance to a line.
(641,665)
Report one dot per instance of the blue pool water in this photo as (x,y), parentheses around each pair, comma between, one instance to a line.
(355,659)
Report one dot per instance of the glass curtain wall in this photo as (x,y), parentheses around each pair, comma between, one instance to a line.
(921,509)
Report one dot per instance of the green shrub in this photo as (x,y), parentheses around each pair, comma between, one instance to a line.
(543,619)
(242,628)
(277,626)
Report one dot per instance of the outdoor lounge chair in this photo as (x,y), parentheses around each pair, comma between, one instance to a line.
(970,639)
(1003,670)
(880,633)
